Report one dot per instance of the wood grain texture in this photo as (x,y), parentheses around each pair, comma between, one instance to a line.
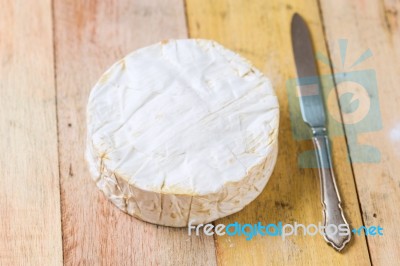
(260,31)
(89,37)
(374,25)
(30,220)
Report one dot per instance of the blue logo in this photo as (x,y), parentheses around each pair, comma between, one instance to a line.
(357,94)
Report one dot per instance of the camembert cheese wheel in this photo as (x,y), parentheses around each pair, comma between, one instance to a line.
(182,131)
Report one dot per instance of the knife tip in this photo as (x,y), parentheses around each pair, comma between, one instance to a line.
(297,22)
(296,17)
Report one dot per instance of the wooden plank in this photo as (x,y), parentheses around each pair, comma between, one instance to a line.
(90,36)
(260,31)
(30,223)
(374,25)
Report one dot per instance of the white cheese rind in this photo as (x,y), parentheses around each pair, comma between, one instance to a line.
(182,131)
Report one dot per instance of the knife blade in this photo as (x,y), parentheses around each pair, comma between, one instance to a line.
(336,229)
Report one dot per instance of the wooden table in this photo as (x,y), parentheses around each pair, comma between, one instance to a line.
(52,53)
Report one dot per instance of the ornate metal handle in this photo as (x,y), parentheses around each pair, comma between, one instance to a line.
(332,210)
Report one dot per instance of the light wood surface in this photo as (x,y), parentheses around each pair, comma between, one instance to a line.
(374,25)
(292,194)
(89,37)
(30,224)
(52,53)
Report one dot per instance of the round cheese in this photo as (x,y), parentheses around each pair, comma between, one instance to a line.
(182,131)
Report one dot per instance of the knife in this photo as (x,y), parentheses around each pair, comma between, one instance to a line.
(313,113)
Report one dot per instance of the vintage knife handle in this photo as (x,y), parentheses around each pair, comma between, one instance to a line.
(332,210)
